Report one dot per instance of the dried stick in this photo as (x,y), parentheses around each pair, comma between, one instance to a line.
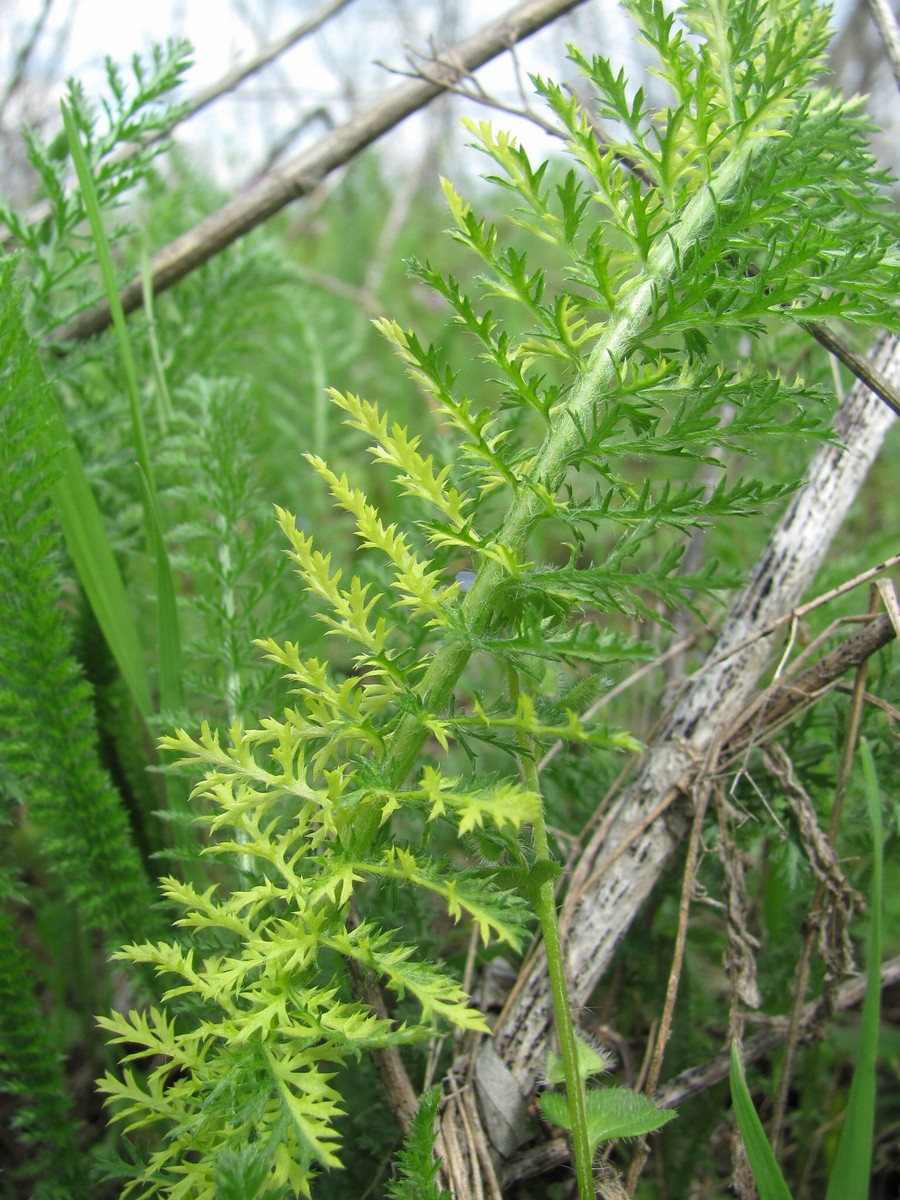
(783,702)
(664,1028)
(855,362)
(23,56)
(810,935)
(307,170)
(706,1075)
(801,610)
(397,1086)
(232,78)
(301,174)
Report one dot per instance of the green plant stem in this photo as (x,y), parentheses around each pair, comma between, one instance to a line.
(852,1167)
(164,409)
(104,259)
(169,636)
(547,472)
(548,468)
(545,909)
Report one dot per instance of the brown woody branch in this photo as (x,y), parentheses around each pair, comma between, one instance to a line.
(783,702)
(392,1074)
(860,367)
(714,1070)
(307,170)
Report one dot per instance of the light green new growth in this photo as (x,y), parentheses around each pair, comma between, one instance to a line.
(749,197)
(416,1164)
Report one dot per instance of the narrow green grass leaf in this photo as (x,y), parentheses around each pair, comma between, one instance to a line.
(851,1172)
(763,1164)
(164,409)
(92,555)
(104,258)
(168,633)
(169,652)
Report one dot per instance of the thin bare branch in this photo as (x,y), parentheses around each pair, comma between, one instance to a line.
(801,610)
(205,96)
(664,1027)
(471,89)
(339,287)
(23,56)
(398,1088)
(888,593)
(714,1070)
(243,70)
(299,175)
(890,33)
(860,367)
(781,703)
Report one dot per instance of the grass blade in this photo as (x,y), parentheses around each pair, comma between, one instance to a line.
(104,258)
(169,652)
(851,1173)
(763,1164)
(168,634)
(164,410)
(92,555)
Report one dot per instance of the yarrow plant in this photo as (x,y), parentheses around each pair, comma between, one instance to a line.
(749,197)
(121,144)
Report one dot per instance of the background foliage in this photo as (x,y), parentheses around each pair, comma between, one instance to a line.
(232,373)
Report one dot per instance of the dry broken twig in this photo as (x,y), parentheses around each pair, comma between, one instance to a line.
(201,99)
(783,702)
(300,175)
(696,1079)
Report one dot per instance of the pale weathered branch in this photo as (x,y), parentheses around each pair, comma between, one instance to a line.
(23,56)
(299,175)
(890,33)
(630,850)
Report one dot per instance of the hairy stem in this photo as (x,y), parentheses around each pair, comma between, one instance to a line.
(545,908)
(563,437)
